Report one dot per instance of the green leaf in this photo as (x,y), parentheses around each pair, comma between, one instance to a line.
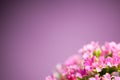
(118,66)
(104,70)
(108,70)
(97,53)
(112,69)
(86,78)
(78,78)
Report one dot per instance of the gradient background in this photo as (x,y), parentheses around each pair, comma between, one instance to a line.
(35,36)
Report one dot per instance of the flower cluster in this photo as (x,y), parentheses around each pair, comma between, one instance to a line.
(96,63)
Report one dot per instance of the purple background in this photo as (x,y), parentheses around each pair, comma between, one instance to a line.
(38,35)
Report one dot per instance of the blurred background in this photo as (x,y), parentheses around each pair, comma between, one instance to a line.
(36,35)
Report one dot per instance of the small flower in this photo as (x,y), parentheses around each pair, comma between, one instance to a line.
(117,78)
(50,78)
(75,59)
(106,76)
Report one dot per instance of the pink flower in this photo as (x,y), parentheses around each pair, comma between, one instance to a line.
(106,76)
(117,78)
(88,63)
(88,49)
(110,48)
(109,61)
(112,61)
(92,78)
(99,64)
(75,59)
(95,78)
(116,60)
(115,73)
(92,63)
(79,75)
(50,78)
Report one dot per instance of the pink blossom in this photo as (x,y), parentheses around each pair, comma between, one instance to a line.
(93,61)
(75,59)
(95,78)
(50,78)
(88,63)
(106,76)
(88,49)
(117,78)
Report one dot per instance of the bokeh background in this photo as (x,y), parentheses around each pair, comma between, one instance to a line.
(36,35)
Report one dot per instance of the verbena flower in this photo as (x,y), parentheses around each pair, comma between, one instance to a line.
(96,63)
